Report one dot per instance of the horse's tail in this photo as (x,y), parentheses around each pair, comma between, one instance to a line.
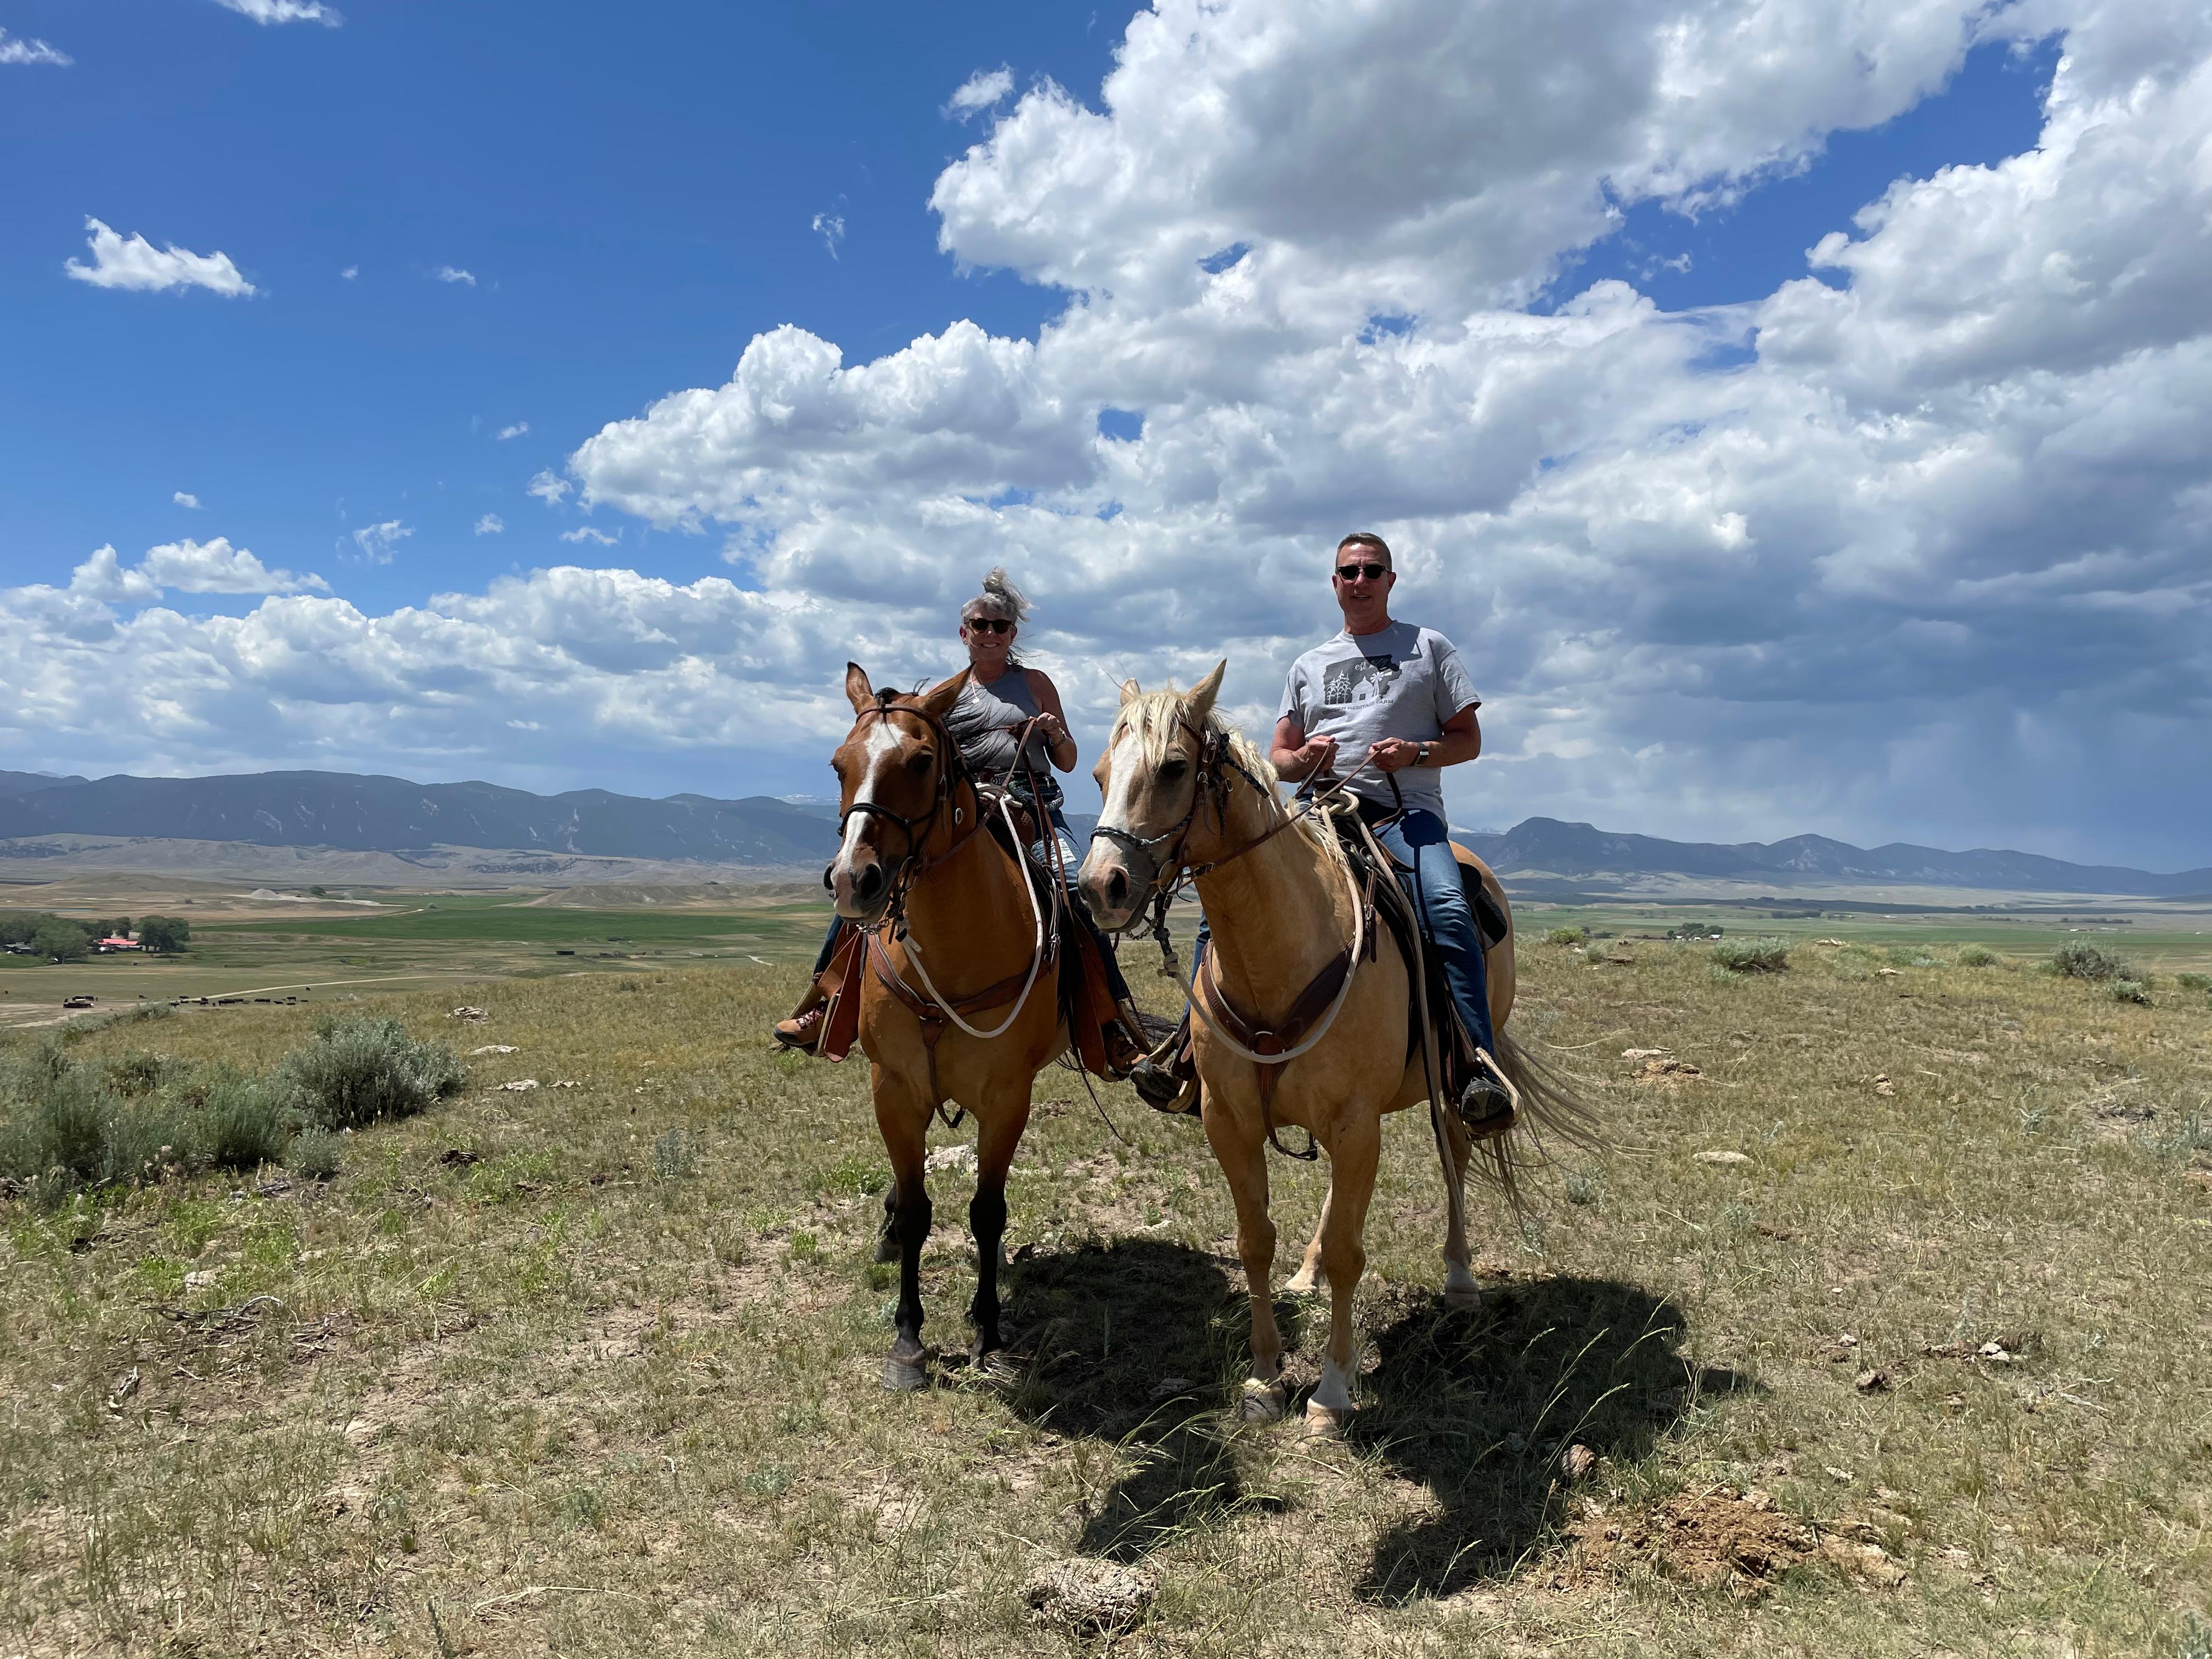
(1551,1110)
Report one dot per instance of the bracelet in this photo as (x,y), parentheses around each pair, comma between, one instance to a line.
(1421,754)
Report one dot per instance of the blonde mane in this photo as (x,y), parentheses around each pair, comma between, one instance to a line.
(1154,717)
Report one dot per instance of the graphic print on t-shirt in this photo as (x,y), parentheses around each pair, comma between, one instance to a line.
(1362,679)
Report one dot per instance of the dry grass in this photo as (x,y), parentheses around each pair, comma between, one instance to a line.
(538,1372)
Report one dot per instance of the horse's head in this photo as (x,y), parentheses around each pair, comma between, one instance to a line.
(1149,778)
(894,773)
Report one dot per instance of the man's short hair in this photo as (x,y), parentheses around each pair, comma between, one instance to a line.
(1367,539)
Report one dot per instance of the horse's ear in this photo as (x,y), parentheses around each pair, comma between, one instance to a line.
(939,699)
(858,691)
(1199,699)
(1130,692)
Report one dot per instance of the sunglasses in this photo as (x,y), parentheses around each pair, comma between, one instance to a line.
(988,625)
(1353,573)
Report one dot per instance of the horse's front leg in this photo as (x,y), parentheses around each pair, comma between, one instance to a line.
(903,1120)
(1353,1153)
(1238,1149)
(998,1132)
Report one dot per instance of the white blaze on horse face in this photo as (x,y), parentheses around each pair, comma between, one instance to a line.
(882,747)
(1120,804)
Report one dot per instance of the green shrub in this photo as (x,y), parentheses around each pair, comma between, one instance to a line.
(315,1154)
(2128,990)
(1976,955)
(363,1071)
(2082,960)
(67,1128)
(1565,936)
(2194,981)
(244,1123)
(675,1154)
(1751,955)
(137,1074)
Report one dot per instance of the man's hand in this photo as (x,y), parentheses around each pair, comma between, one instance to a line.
(1316,756)
(1393,753)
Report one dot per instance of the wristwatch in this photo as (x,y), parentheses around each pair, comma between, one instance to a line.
(1421,755)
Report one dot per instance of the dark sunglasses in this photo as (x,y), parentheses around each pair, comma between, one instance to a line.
(989,625)
(1353,573)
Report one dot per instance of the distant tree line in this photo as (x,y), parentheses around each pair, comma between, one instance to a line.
(69,938)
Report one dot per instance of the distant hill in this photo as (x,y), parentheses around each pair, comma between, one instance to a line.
(380,814)
(353,814)
(1578,850)
(25,783)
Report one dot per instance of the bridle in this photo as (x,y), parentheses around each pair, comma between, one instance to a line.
(951,773)
(1171,874)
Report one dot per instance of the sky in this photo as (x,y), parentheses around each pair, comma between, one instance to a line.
(1796,413)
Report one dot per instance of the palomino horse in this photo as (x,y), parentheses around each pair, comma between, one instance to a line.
(964,954)
(1184,791)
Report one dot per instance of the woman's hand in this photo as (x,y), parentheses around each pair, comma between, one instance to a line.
(1054,730)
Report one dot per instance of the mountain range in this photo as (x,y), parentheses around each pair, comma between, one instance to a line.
(365,814)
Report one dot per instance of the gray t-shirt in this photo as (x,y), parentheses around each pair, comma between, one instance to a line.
(1404,682)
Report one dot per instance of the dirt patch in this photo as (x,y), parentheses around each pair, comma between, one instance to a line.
(1715,1539)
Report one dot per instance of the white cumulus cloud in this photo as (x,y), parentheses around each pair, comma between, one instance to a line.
(830,227)
(135,263)
(285,11)
(549,487)
(376,541)
(515,431)
(185,498)
(217,567)
(454,274)
(490,524)
(984,90)
(584,532)
(15,49)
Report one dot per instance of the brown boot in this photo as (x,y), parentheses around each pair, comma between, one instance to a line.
(803,1031)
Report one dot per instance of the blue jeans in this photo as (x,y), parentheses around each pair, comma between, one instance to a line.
(1419,839)
(1041,856)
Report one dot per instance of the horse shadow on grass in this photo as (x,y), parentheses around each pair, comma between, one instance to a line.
(1140,1344)
(1483,1407)
(1133,1343)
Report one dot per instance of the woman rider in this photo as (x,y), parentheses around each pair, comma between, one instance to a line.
(1001,697)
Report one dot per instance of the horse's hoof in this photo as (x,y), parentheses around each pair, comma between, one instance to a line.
(902,1378)
(1463,1298)
(1263,1403)
(1322,1424)
(1301,1284)
(902,1371)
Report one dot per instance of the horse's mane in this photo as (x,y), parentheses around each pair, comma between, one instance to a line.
(1154,717)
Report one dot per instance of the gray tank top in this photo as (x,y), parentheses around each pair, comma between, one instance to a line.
(983,721)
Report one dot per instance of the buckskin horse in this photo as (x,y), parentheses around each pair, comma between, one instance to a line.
(1292,971)
(958,1001)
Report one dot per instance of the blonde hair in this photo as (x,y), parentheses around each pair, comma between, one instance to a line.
(1000,598)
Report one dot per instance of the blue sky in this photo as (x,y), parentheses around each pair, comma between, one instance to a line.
(1739,543)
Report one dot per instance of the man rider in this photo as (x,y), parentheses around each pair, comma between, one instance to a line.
(1397,697)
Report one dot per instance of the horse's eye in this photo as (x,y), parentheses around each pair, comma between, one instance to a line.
(920,762)
(1174,771)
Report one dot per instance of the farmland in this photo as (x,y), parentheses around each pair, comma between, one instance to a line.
(1918,1366)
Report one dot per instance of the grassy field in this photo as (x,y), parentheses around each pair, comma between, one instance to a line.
(414,940)
(594,1370)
